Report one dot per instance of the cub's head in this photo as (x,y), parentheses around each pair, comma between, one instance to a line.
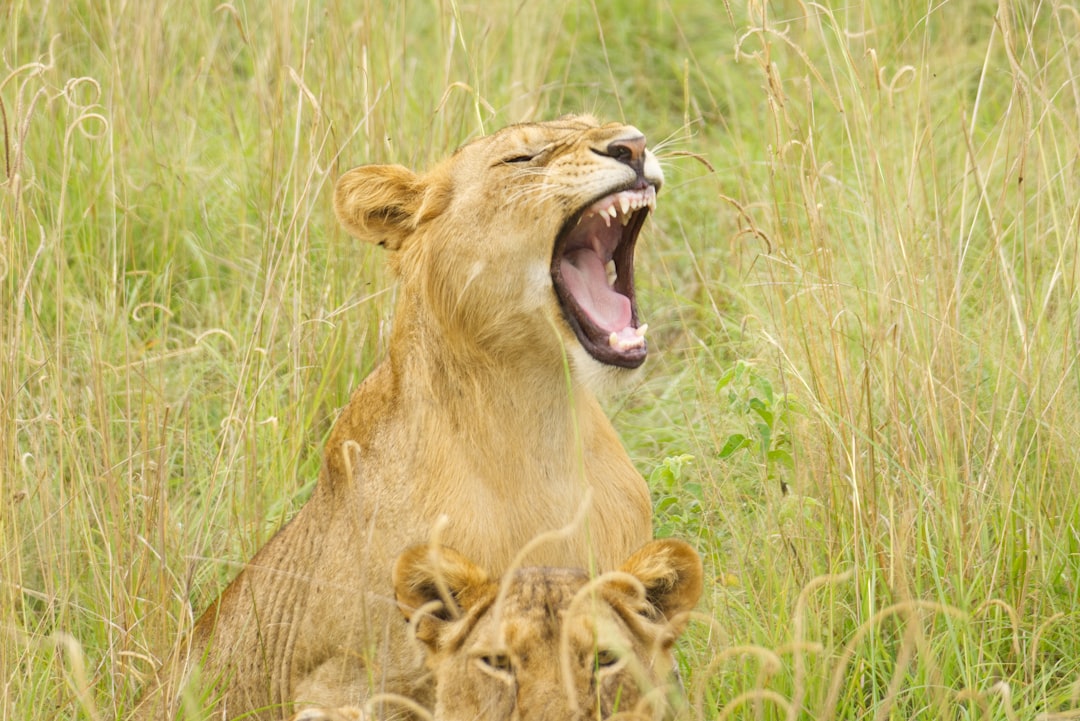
(552,644)
(522,240)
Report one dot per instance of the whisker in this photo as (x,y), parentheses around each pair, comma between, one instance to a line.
(676,136)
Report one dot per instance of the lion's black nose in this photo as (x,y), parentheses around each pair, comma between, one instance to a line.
(628,150)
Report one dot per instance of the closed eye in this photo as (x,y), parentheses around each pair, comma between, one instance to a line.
(526,156)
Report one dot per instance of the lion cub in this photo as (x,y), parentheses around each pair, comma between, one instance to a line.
(516,302)
(545,643)
(548,643)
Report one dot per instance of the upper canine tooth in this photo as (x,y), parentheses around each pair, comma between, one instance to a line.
(624,204)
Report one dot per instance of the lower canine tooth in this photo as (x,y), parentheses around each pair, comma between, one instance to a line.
(613,340)
(641,330)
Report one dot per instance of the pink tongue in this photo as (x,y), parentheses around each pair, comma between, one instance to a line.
(584,275)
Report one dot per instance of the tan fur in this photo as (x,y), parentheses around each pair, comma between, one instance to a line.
(480,413)
(553,646)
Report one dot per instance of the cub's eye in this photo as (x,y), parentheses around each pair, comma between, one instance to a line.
(605,657)
(496,662)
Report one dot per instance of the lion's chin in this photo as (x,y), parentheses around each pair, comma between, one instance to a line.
(604,380)
(592,270)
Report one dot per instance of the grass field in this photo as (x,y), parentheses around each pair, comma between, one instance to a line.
(863,401)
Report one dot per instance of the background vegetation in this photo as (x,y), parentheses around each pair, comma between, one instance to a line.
(862,280)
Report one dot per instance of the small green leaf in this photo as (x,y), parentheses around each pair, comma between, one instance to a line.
(735,442)
(670,470)
(766,389)
(725,379)
(783,457)
(765,432)
(666,502)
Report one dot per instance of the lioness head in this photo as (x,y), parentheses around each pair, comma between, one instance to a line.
(521,240)
(553,644)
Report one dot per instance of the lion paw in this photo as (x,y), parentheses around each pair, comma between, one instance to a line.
(342,713)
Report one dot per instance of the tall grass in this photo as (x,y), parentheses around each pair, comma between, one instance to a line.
(861,279)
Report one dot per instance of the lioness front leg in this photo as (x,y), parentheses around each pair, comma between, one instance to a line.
(343,713)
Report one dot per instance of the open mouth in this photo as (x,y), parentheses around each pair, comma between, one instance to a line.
(592,270)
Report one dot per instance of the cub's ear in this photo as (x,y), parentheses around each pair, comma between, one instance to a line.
(384,204)
(671,573)
(440,584)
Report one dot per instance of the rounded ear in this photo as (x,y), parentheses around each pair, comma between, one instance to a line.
(671,572)
(379,203)
(425,575)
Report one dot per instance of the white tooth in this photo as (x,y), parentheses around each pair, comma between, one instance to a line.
(624,219)
(624,204)
(612,211)
(607,220)
(611,275)
(613,339)
(641,330)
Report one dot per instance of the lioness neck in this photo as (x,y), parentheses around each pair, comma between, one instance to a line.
(512,417)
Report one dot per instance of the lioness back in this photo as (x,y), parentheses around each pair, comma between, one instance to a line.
(516,303)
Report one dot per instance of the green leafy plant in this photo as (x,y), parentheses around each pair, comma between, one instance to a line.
(766,417)
(677,502)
